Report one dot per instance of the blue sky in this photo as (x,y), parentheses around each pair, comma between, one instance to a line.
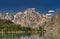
(20,5)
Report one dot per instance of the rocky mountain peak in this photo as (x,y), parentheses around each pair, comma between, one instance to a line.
(30,18)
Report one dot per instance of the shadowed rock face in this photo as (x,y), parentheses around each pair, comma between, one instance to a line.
(30,19)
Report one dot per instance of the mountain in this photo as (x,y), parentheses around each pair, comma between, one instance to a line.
(53,26)
(7,16)
(30,18)
(2,16)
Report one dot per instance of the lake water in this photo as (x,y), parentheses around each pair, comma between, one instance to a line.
(24,36)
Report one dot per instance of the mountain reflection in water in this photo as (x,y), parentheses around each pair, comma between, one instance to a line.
(19,36)
(23,36)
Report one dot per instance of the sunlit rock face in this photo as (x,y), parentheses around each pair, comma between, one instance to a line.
(2,15)
(53,27)
(9,16)
(30,18)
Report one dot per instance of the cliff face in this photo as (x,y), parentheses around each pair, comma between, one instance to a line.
(30,18)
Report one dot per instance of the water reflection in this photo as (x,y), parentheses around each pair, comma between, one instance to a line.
(23,36)
(19,36)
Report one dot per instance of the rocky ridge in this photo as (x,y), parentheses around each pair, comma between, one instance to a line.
(29,18)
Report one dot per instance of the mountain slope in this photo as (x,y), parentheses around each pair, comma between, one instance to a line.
(53,27)
(7,16)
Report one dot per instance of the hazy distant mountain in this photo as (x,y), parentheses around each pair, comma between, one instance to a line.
(30,18)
